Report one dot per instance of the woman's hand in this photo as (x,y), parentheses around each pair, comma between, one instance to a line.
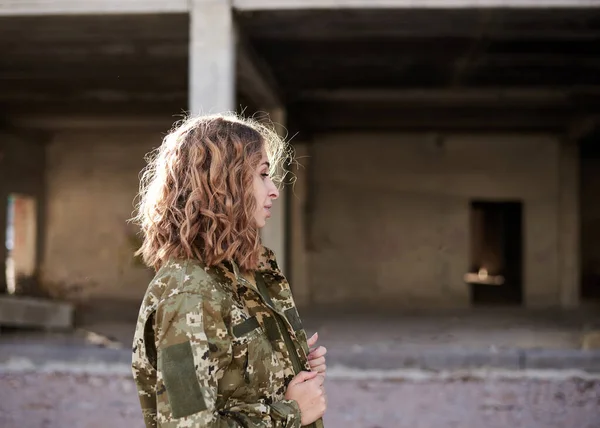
(316,357)
(308,391)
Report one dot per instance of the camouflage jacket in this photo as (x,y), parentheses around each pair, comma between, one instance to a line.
(210,351)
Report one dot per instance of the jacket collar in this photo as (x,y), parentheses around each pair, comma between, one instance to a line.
(267,264)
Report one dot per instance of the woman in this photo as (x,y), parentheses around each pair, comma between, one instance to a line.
(219,342)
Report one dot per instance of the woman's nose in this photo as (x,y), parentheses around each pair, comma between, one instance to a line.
(273,191)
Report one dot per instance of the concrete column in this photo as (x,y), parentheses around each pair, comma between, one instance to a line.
(3,212)
(569,225)
(297,196)
(275,232)
(211,57)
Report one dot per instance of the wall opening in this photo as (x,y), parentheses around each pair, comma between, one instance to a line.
(21,243)
(496,267)
(589,208)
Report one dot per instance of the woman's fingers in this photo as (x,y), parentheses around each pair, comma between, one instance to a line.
(313,340)
(317,353)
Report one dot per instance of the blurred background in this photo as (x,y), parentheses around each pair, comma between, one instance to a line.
(444,216)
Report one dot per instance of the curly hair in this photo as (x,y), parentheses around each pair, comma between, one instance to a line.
(196,195)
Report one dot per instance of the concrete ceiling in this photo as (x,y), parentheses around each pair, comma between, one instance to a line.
(93,64)
(336,69)
(533,68)
(428,48)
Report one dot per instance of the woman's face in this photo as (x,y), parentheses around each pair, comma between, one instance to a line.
(265,191)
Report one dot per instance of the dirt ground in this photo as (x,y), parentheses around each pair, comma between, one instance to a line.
(54,400)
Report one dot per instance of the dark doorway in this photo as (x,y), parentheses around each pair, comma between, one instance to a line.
(496,276)
(589,188)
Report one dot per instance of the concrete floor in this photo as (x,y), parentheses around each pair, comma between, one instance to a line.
(93,389)
(475,329)
(475,339)
(54,400)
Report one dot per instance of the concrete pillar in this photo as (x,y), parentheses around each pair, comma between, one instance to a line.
(3,212)
(275,232)
(569,225)
(211,57)
(297,196)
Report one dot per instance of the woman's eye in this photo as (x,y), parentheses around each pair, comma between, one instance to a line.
(265,174)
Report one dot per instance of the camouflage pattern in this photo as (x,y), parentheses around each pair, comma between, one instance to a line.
(207,351)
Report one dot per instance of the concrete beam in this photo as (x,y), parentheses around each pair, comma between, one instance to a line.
(582,126)
(78,122)
(543,96)
(254,77)
(90,7)
(248,5)
(331,117)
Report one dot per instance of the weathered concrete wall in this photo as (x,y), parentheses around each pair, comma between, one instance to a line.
(22,159)
(387,216)
(92,180)
(389,223)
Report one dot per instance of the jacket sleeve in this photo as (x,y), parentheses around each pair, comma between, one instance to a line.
(194,351)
